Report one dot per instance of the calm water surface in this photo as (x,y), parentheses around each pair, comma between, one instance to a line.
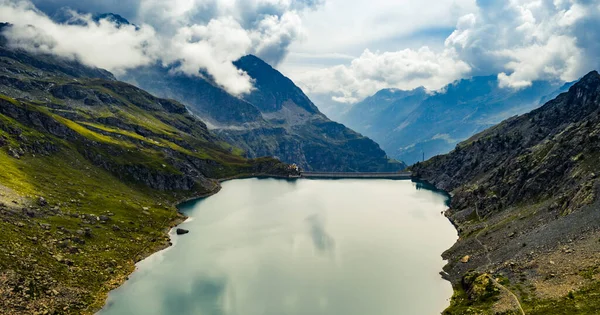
(305,247)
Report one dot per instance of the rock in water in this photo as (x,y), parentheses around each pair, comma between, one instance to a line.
(182,231)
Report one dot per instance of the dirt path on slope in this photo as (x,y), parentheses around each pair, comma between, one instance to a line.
(489,260)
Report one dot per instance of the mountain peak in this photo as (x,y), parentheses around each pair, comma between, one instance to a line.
(592,73)
(593,77)
(251,57)
(252,61)
(273,89)
(69,16)
(590,83)
(112,17)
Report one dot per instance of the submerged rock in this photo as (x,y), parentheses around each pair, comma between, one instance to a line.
(182,231)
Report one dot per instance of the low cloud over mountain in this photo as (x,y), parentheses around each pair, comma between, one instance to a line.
(518,41)
(199,37)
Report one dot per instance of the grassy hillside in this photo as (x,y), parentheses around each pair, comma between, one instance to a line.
(91,171)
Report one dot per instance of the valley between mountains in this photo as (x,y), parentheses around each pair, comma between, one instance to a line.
(92,169)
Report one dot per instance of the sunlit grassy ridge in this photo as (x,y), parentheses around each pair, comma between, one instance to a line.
(78,188)
(100,216)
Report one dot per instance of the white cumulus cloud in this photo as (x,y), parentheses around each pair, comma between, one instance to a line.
(520,41)
(196,37)
(99,44)
(373,71)
(212,47)
(523,41)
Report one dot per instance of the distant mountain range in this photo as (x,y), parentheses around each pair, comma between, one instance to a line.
(410,125)
(276,119)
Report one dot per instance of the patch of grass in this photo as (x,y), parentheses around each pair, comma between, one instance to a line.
(582,302)
(590,272)
(94,136)
(232,149)
(159,142)
(462,304)
(9,99)
(473,217)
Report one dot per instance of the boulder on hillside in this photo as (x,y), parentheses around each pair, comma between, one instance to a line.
(465,259)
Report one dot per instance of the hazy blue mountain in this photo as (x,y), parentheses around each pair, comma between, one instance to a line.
(332,109)
(276,119)
(375,114)
(413,124)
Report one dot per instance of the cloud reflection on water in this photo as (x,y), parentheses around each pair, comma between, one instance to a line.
(322,241)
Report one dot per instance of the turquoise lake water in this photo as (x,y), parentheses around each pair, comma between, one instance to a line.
(304,247)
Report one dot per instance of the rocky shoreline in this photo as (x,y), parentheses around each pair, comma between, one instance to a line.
(525,201)
(117,282)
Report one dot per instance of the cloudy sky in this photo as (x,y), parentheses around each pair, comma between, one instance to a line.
(338,51)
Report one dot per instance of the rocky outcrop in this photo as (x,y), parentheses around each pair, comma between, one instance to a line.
(182,231)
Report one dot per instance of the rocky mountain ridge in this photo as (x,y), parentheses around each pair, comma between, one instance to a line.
(525,202)
(275,119)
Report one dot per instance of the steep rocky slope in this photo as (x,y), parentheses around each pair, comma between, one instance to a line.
(275,119)
(409,123)
(526,207)
(90,171)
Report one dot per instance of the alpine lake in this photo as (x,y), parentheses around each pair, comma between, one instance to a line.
(300,247)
